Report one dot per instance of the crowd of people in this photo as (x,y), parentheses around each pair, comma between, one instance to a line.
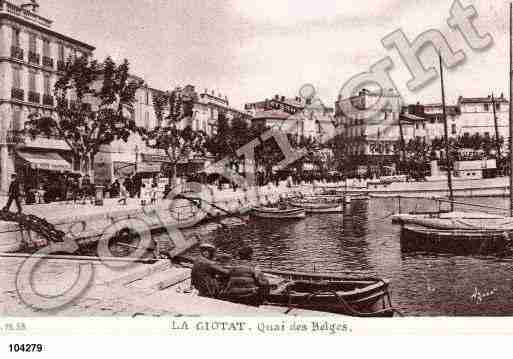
(77,188)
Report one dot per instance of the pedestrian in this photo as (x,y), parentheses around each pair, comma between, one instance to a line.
(128,185)
(123,193)
(114,189)
(86,188)
(14,194)
(143,194)
(154,190)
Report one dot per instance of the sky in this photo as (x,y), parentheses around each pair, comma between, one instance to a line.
(251,50)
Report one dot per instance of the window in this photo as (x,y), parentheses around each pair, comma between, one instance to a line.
(32,81)
(453,129)
(17,124)
(61,52)
(16,78)
(486,107)
(47,85)
(32,43)
(46,47)
(423,125)
(147,120)
(498,106)
(16,37)
(147,100)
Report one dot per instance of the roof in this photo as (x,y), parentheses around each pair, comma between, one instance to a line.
(272,115)
(46,30)
(488,99)
(410,117)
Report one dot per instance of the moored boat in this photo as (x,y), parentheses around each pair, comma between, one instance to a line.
(456,241)
(361,297)
(318,207)
(278,213)
(456,220)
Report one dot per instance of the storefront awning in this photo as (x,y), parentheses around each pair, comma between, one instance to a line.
(45,160)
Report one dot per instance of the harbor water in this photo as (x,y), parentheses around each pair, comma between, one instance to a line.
(363,242)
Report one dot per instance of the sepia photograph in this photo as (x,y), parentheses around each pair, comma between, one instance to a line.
(258,167)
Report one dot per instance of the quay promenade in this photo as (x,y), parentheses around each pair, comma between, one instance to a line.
(87,222)
(484,187)
(158,289)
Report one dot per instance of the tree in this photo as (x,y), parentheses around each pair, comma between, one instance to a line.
(174,133)
(93,104)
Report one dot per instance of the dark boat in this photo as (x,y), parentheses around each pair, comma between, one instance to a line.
(365,297)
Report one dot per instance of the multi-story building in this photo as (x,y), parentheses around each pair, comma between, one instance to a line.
(470,115)
(372,137)
(476,115)
(207,109)
(296,116)
(31,56)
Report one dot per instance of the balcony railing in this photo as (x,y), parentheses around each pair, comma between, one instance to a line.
(17,53)
(17,94)
(61,65)
(11,137)
(47,61)
(34,97)
(34,58)
(47,100)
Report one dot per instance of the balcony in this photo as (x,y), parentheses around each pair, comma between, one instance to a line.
(34,58)
(47,62)
(11,137)
(47,100)
(17,94)
(25,14)
(61,65)
(17,53)
(34,97)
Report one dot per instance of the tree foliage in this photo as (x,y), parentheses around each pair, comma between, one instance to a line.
(174,134)
(93,107)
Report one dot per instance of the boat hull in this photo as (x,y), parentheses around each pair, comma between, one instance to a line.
(273,213)
(310,207)
(455,241)
(366,297)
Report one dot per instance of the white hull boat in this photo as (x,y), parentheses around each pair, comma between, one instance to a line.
(276,213)
(313,207)
(457,221)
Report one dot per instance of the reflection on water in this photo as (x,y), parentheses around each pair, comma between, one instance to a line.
(363,242)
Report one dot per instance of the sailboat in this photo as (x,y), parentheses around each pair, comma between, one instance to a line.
(455,231)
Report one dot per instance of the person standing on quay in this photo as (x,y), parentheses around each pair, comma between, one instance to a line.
(14,194)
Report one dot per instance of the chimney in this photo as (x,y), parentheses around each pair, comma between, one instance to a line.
(31,6)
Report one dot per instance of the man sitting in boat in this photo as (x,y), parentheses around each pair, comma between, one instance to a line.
(282,204)
(246,284)
(206,273)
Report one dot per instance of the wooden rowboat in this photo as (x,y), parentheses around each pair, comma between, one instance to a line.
(319,207)
(277,213)
(361,297)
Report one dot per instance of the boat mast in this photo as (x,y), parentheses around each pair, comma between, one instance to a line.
(510,110)
(496,125)
(446,130)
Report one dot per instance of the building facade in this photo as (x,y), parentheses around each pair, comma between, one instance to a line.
(31,56)
(207,109)
(372,137)
(295,116)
